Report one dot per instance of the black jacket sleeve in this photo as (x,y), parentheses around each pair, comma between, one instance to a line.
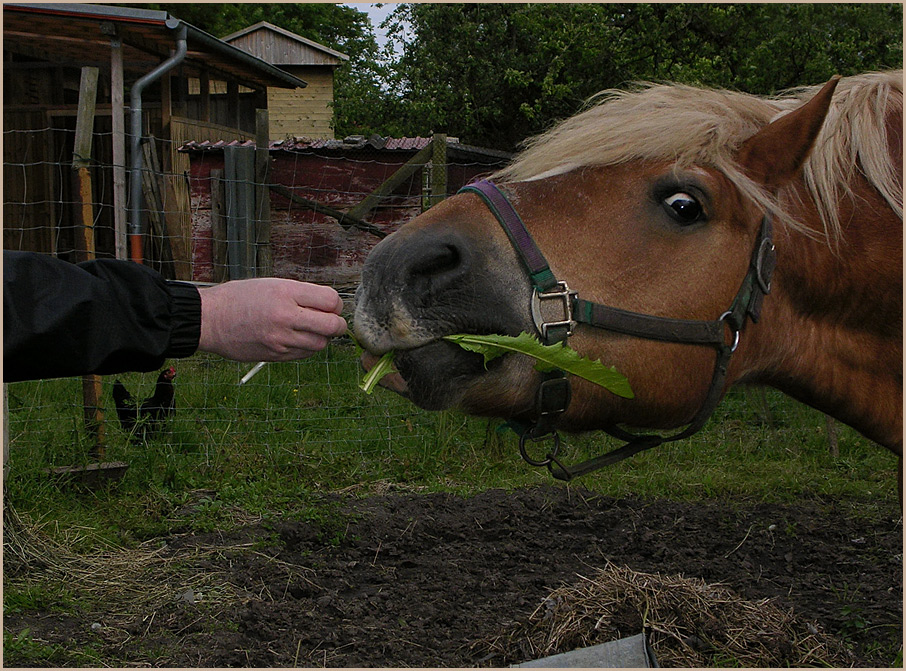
(61,319)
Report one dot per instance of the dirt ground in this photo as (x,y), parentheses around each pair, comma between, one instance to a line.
(409,579)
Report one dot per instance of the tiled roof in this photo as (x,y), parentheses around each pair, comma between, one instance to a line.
(304,143)
(351,143)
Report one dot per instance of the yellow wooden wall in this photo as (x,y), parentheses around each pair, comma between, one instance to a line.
(304,112)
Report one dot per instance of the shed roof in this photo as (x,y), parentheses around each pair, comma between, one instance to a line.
(81,33)
(358,143)
(292,49)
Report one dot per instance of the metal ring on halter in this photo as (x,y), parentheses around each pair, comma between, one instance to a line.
(551,453)
(735,331)
(765,261)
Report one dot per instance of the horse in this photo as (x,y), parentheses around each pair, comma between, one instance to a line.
(694,238)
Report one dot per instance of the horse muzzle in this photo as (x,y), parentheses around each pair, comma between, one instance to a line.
(421,284)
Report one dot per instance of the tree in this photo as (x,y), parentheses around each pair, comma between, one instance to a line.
(495,74)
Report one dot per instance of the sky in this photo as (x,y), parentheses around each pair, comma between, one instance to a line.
(375,14)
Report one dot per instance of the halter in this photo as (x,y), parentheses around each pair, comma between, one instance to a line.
(554,393)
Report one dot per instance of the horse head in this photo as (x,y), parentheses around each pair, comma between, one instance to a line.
(661,213)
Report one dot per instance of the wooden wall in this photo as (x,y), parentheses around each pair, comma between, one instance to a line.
(282,50)
(304,112)
(306,245)
(28,176)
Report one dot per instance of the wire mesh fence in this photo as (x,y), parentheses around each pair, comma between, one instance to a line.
(211,215)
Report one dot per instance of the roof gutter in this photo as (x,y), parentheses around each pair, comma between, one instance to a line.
(213,44)
(134,227)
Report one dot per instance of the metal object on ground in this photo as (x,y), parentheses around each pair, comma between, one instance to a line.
(632,652)
(92,475)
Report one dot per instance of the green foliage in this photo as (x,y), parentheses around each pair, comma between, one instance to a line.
(496,73)
(383,367)
(30,652)
(547,357)
(274,446)
(44,597)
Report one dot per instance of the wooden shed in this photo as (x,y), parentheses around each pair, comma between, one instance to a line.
(329,201)
(66,64)
(304,112)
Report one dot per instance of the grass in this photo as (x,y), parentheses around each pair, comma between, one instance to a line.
(29,651)
(270,450)
(299,429)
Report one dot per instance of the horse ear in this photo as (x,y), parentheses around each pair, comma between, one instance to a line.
(774,155)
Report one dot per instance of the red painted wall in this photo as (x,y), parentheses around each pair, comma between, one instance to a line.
(310,246)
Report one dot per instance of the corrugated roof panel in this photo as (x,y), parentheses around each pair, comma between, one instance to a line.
(302,144)
(357,143)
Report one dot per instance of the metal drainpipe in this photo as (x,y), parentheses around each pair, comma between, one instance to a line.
(134,227)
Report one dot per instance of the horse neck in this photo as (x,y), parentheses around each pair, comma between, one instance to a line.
(831,333)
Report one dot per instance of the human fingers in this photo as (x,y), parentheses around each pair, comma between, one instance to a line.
(318,322)
(317,296)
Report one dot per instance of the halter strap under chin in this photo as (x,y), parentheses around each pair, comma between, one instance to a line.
(554,393)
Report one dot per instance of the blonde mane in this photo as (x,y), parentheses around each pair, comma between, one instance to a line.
(689,125)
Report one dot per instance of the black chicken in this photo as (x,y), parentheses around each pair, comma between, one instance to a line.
(144,420)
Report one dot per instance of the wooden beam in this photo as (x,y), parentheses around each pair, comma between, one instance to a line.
(117,104)
(166,114)
(345,220)
(406,171)
(161,251)
(438,169)
(239,178)
(81,162)
(263,194)
(233,103)
(204,91)
(49,177)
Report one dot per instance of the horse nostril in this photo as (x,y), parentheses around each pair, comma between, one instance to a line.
(438,261)
(416,265)
(434,262)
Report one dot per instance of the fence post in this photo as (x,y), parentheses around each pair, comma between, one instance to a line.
(5,435)
(81,161)
(438,169)
(239,175)
(219,259)
(117,105)
(263,193)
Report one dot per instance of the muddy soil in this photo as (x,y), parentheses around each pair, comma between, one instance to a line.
(407,579)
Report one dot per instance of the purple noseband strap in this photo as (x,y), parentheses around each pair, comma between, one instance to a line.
(747,304)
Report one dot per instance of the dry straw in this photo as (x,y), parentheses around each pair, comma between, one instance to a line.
(689,622)
(129,582)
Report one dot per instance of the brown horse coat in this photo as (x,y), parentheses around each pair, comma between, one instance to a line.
(650,201)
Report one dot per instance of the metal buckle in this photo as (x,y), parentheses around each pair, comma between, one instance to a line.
(561,293)
(553,397)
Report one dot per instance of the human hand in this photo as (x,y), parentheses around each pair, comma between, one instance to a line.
(268,319)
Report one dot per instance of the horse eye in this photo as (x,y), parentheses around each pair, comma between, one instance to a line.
(684,208)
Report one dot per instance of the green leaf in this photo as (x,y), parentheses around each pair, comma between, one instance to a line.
(383,367)
(547,357)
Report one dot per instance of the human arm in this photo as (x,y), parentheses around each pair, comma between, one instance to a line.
(269,319)
(106,316)
(62,319)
